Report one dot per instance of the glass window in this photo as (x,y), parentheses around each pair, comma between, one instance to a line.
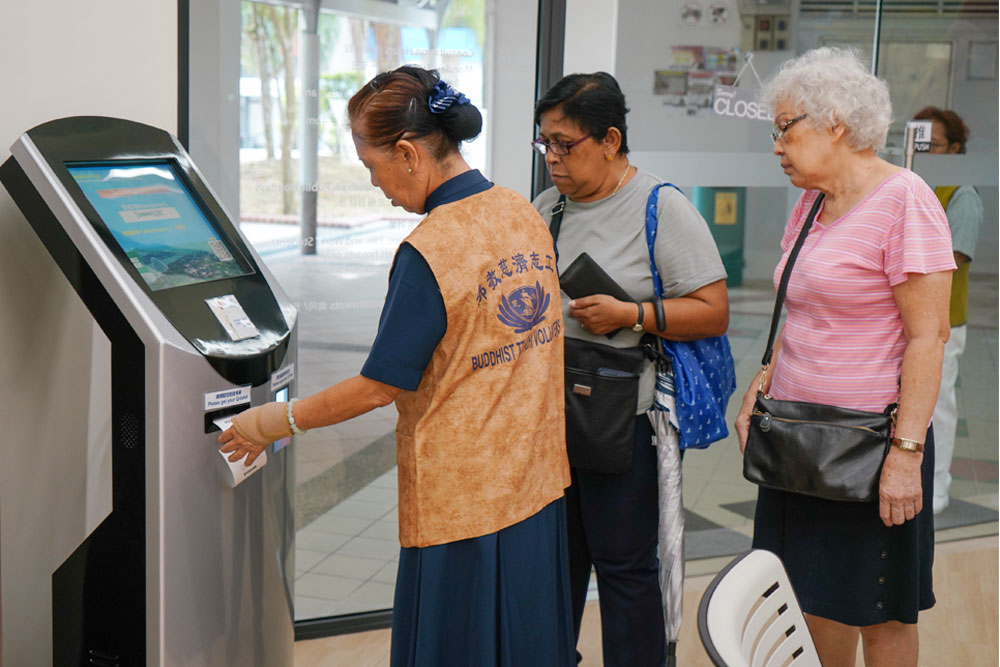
(347,538)
(671,59)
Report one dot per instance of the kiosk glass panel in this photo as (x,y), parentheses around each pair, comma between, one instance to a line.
(158,224)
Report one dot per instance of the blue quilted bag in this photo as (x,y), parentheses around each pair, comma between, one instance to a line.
(704,373)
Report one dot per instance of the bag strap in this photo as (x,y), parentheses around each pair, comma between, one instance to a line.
(555,223)
(779,300)
(651,225)
(557,215)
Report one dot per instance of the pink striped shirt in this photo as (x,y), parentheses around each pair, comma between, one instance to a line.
(843,338)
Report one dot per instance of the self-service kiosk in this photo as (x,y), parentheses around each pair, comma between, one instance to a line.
(194,564)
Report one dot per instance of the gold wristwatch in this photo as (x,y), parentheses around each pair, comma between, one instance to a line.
(908,445)
(637,327)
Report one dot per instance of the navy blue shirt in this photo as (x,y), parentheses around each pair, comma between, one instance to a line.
(413,319)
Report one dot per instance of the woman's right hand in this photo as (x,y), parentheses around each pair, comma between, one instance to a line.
(743,418)
(602,314)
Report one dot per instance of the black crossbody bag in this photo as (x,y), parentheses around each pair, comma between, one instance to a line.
(602,391)
(810,448)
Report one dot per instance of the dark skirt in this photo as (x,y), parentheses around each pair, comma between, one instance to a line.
(500,600)
(844,563)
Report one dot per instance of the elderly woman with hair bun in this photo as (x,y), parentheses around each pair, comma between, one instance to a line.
(867,321)
(480,444)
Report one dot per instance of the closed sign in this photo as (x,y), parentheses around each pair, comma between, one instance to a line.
(738,103)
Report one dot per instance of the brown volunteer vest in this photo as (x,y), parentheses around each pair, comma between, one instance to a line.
(481,443)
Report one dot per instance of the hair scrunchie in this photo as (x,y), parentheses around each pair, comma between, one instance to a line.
(443,96)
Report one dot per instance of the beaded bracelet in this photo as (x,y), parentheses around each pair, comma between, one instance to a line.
(291,418)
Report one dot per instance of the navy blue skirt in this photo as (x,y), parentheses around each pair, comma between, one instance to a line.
(500,600)
(843,562)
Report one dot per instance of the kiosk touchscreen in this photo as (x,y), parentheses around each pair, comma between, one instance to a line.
(155,220)
(193,565)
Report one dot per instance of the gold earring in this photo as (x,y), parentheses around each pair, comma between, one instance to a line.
(609,158)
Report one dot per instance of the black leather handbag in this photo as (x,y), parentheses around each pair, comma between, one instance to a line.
(602,390)
(810,448)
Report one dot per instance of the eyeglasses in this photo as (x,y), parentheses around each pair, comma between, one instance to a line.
(779,129)
(557,147)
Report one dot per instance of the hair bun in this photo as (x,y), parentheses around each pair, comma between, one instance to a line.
(461,122)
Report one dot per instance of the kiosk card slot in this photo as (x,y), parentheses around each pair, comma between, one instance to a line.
(214,417)
(235,472)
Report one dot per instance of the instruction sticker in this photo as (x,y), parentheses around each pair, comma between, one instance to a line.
(282,377)
(216,400)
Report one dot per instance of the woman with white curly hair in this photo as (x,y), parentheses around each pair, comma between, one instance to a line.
(867,320)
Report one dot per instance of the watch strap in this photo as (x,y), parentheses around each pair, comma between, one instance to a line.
(908,445)
(637,327)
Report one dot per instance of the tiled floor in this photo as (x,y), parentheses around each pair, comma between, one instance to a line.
(346,544)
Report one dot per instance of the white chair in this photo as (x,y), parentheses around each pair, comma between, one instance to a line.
(749,616)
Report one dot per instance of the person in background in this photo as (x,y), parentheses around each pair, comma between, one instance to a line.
(866,324)
(613,517)
(480,443)
(964,209)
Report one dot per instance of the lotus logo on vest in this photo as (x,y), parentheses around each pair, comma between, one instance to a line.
(524,308)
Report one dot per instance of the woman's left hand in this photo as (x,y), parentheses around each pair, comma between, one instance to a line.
(923,306)
(900,496)
(601,314)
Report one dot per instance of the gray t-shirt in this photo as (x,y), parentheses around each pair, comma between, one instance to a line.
(613,232)
(965,218)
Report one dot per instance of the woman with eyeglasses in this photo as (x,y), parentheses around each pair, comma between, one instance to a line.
(482,577)
(866,323)
(612,516)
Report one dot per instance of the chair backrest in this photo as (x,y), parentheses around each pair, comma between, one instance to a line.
(749,616)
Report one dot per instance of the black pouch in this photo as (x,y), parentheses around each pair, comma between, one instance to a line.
(817,450)
(602,391)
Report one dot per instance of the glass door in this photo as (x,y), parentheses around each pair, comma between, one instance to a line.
(346,532)
(670,59)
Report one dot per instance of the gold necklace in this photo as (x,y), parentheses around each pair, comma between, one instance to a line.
(621,180)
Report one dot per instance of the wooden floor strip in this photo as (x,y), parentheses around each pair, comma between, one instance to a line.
(961,629)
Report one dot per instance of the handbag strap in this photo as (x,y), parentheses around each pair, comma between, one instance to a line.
(555,223)
(557,215)
(779,300)
(651,225)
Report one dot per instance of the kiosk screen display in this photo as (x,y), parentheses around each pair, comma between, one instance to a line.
(157,222)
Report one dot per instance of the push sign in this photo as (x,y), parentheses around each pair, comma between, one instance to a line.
(921,130)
